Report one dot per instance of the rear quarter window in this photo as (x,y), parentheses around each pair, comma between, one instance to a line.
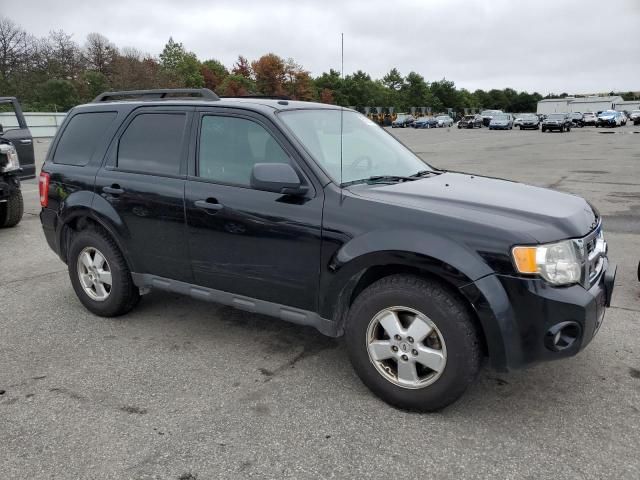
(81,136)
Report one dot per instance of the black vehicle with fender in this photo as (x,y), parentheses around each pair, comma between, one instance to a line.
(16,160)
(470,121)
(557,121)
(316,215)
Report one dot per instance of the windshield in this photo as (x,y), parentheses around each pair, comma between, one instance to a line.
(443,117)
(557,116)
(490,112)
(529,115)
(367,149)
(501,117)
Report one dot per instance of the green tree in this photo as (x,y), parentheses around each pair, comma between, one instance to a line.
(56,94)
(393,80)
(415,92)
(183,65)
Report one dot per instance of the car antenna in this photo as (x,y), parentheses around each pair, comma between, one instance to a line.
(341,107)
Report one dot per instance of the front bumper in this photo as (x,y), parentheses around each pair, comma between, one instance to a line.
(8,185)
(521,317)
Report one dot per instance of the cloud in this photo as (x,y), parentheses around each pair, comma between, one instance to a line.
(577,46)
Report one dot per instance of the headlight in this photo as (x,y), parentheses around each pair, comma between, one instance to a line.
(558,263)
(8,158)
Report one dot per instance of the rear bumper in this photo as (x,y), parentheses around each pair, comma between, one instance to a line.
(49,220)
(526,321)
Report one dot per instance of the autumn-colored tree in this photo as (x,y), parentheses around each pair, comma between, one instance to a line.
(326,96)
(298,83)
(242,67)
(236,86)
(269,71)
(214,73)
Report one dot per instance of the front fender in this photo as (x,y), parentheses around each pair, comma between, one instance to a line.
(454,262)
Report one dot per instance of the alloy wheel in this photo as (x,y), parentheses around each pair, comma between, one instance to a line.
(406,347)
(94,274)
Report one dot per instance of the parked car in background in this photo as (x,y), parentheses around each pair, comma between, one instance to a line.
(487,115)
(577,119)
(444,121)
(623,118)
(403,121)
(557,121)
(634,114)
(529,121)
(609,118)
(589,118)
(470,121)
(503,121)
(425,122)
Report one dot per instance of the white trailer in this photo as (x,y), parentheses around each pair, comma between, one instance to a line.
(628,105)
(594,104)
(553,105)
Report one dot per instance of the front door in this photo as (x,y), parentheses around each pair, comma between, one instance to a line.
(254,243)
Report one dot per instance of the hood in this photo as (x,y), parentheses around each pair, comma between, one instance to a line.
(539,214)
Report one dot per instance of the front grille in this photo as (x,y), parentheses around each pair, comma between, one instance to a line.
(595,253)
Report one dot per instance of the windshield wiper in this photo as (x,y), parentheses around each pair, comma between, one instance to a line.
(425,173)
(381,179)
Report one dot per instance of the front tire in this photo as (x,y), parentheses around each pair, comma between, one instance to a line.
(413,343)
(99,274)
(12,210)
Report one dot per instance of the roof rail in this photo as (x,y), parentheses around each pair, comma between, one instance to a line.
(157,94)
(264,97)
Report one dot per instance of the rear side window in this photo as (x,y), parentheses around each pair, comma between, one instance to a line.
(152,143)
(81,137)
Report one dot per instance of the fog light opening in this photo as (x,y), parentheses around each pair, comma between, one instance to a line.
(562,336)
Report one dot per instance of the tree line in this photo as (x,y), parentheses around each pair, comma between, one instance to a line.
(55,73)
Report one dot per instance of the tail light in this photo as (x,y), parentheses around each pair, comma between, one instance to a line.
(43,187)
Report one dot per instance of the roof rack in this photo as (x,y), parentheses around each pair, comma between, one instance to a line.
(263,97)
(158,94)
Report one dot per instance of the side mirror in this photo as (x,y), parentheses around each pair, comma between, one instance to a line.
(277,178)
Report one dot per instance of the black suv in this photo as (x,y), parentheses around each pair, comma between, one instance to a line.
(557,121)
(316,215)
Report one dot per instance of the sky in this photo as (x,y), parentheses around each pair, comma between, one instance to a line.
(548,46)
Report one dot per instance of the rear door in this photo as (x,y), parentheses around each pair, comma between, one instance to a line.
(14,129)
(143,180)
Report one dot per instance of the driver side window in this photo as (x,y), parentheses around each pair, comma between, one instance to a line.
(231,146)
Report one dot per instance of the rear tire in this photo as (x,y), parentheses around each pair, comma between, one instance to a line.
(121,295)
(452,339)
(12,210)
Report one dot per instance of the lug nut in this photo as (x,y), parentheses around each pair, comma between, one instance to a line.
(410,339)
(414,352)
(405,358)
(394,348)
(397,337)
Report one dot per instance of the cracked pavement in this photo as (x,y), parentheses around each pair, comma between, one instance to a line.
(180,389)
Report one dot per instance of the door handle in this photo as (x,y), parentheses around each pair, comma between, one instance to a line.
(113,189)
(25,141)
(208,204)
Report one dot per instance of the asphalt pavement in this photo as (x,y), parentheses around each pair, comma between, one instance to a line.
(180,389)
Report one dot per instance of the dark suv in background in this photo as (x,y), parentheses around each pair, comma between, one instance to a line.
(316,215)
(17,160)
